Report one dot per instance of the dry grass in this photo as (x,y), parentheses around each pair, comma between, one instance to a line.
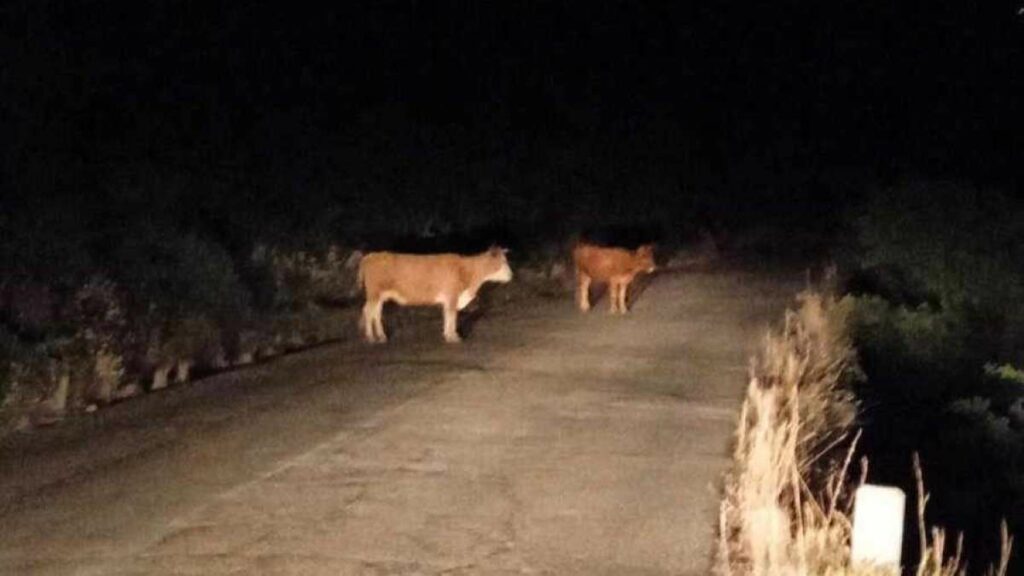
(934,559)
(787,503)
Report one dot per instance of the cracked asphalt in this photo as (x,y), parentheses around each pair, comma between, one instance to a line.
(549,442)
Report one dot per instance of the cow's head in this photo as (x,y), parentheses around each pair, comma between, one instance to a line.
(496,265)
(644,258)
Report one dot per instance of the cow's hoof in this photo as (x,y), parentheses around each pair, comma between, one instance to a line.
(452,339)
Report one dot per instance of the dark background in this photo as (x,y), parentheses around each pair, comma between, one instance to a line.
(238,119)
(158,143)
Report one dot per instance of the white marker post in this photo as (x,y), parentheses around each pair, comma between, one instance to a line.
(878,526)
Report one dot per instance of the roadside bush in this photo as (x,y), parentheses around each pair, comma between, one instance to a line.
(9,349)
(100,340)
(795,419)
(192,339)
(788,497)
(938,319)
(956,247)
(186,300)
(171,276)
(31,375)
(927,350)
(301,279)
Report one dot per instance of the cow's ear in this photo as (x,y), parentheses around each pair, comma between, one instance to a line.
(495,250)
(646,249)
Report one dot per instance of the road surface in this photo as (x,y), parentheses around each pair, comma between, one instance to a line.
(549,442)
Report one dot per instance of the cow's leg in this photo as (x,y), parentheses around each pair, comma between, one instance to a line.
(373,326)
(583,291)
(623,291)
(366,321)
(451,316)
(613,296)
(378,322)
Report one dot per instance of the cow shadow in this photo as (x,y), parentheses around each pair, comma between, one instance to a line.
(638,287)
(485,302)
(468,319)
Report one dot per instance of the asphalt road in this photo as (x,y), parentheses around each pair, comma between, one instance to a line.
(549,442)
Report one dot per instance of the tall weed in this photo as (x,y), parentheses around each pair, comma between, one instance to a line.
(787,500)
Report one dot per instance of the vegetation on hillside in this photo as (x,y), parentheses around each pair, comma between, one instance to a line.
(789,495)
(937,284)
(146,307)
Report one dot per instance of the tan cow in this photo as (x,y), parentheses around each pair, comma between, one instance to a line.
(616,266)
(447,280)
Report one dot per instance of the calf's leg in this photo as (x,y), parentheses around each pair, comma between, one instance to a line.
(613,296)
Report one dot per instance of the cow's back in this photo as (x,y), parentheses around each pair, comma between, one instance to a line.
(416,278)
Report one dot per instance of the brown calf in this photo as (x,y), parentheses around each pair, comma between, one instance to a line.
(616,266)
(447,280)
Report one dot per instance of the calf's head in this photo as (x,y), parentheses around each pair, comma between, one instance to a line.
(643,258)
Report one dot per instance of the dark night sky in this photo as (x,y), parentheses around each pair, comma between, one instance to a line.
(289,89)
